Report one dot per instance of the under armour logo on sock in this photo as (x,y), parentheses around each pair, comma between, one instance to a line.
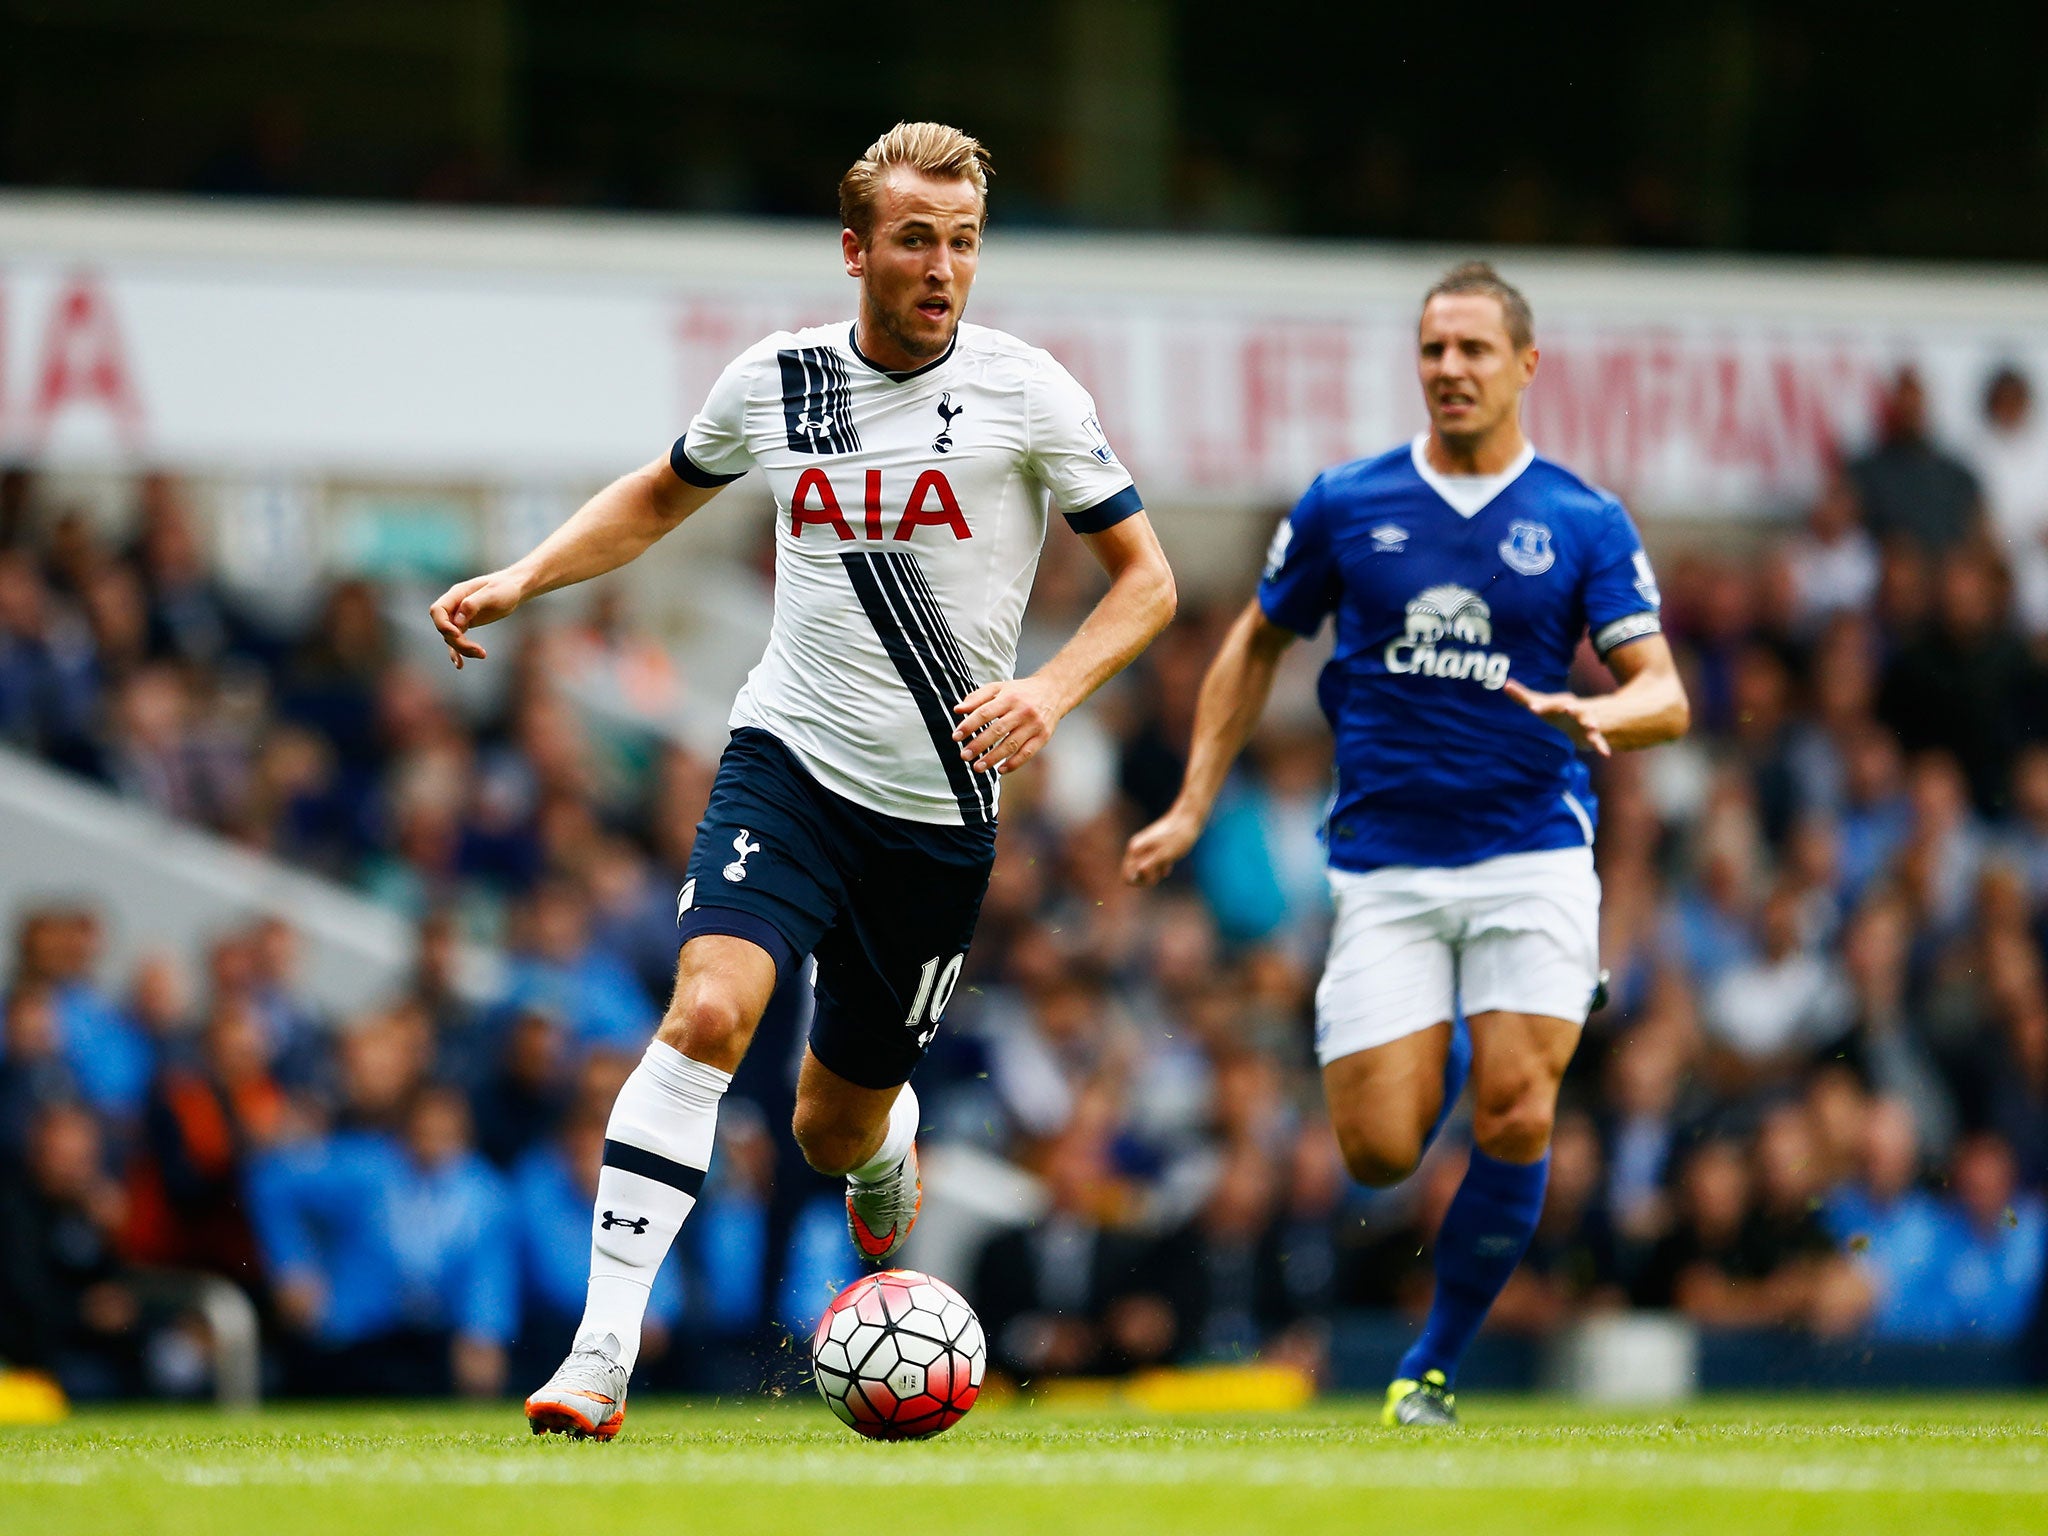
(637,1223)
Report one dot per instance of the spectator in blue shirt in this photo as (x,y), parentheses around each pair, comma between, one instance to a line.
(1710,925)
(393,1257)
(1895,1232)
(112,1059)
(731,1249)
(1875,816)
(1992,1270)
(298,1034)
(559,971)
(1260,864)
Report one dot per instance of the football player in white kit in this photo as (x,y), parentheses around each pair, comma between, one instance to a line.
(913,459)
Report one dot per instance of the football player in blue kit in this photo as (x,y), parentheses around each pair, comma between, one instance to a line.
(1462,570)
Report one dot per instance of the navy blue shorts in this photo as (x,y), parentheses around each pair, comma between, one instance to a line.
(886,906)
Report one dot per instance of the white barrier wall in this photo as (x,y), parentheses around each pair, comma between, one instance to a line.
(529,349)
(161,885)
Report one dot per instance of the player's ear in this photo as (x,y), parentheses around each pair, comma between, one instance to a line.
(850,247)
(1529,358)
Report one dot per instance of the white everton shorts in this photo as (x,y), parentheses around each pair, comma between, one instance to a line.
(1519,934)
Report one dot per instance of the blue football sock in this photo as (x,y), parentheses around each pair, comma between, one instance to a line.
(1484,1235)
(1457,1067)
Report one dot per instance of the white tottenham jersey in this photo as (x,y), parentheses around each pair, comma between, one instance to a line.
(910,510)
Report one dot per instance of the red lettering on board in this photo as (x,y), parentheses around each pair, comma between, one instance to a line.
(84,362)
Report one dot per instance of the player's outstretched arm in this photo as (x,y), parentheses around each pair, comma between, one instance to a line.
(1649,708)
(1234,692)
(1007,723)
(615,526)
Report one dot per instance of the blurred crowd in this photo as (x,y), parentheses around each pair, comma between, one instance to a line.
(1818,1100)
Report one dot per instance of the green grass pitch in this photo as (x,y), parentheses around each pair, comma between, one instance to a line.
(1866,1466)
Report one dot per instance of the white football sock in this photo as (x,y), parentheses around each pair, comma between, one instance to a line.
(656,1148)
(896,1141)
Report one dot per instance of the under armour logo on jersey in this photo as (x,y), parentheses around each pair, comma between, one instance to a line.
(744,846)
(637,1223)
(817,401)
(943,443)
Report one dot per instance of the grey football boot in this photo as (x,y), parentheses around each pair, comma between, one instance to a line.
(879,1215)
(585,1398)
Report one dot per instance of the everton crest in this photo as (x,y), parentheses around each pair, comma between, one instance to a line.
(1527,548)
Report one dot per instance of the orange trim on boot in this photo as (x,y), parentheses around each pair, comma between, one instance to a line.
(561,1419)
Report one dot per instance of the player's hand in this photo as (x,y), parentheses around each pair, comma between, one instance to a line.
(470,605)
(1575,716)
(1152,852)
(1006,724)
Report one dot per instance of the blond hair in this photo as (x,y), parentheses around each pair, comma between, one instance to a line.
(943,153)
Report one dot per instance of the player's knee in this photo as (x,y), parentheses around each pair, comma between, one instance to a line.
(828,1143)
(1383,1138)
(1379,1156)
(707,1024)
(1377,1168)
(1513,1124)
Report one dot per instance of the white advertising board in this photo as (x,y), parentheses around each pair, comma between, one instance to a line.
(526,350)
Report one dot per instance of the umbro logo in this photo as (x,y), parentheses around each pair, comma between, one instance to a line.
(943,443)
(1389,539)
(637,1223)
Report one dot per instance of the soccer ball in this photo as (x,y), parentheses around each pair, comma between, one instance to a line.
(899,1355)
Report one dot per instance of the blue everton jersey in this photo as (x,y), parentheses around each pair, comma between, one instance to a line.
(1436,608)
